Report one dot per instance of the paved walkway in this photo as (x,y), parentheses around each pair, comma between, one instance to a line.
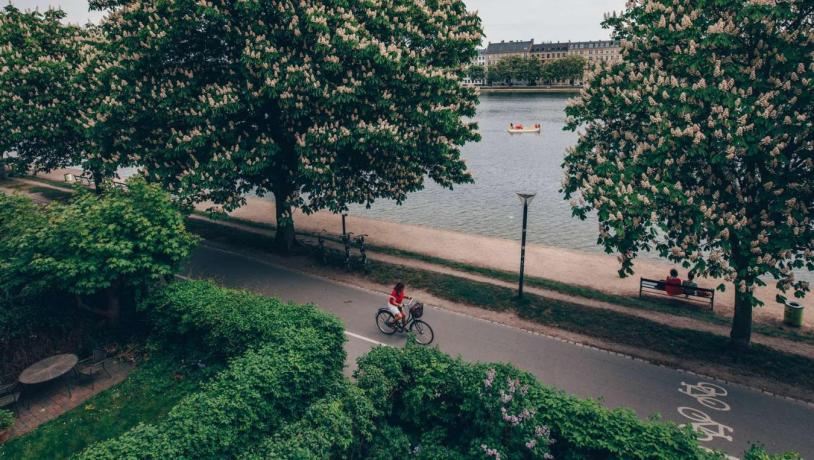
(729,416)
(46,402)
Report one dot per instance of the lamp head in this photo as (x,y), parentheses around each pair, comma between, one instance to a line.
(526,197)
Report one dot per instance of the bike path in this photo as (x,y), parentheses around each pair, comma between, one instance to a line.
(730,417)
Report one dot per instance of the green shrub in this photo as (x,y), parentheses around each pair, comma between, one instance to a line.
(6,419)
(474,409)
(758,453)
(337,426)
(199,314)
(114,244)
(255,396)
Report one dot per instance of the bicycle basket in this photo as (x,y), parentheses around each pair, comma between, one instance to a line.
(417,310)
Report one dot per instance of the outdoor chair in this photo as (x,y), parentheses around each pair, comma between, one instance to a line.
(11,397)
(7,385)
(90,367)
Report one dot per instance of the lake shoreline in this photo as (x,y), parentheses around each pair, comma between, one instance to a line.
(527,90)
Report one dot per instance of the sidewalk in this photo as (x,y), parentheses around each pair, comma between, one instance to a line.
(591,270)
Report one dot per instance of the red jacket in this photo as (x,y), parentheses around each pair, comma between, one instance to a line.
(673,286)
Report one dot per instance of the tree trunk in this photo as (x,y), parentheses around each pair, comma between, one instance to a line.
(2,167)
(741,333)
(114,308)
(97,183)
(285,237)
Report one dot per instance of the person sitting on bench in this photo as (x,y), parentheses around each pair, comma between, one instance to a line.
(673,284)
(690,285)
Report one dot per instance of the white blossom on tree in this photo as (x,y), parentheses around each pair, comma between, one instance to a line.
(321,103)
(700,145)
(39,103)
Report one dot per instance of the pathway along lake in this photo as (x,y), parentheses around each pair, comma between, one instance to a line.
(503,164)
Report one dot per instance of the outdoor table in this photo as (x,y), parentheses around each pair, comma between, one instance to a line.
(49,369)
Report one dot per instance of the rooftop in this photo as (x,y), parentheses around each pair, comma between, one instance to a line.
(509,47)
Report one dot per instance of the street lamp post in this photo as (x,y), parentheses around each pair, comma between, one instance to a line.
(526,199)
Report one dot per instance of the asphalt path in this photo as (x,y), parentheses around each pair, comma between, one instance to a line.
(728,417)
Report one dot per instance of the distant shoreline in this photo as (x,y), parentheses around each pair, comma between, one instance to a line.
(526,90)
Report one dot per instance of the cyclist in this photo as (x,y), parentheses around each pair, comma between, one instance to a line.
(394,303)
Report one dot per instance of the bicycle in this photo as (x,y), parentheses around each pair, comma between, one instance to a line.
(360,240)
(388,325)
(347,240)
(323,254)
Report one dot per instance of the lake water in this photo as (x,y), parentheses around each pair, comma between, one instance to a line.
(503,164)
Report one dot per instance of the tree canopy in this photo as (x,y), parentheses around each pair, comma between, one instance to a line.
(568,68)
(321,103)
(699,145)
(39,99)
(125,238)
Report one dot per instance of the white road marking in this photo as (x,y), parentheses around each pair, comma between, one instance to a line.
(361,337)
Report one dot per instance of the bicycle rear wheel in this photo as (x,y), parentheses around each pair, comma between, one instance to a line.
(384,321)
(423,332)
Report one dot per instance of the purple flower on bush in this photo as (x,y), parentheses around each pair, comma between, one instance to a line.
(490,452)
(531,443)
(490,378)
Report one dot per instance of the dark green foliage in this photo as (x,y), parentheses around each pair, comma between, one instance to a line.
(227,322)
(758,453)
(149,392)
(6,419)
(337,426)
(255,395)
(441,401)
(115,244)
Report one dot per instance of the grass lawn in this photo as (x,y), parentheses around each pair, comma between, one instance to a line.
(50,193)
(151,390)
(608,325)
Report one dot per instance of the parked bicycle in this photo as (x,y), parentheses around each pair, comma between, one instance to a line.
(323,253)
(347,241)
(388,325)
(360,240)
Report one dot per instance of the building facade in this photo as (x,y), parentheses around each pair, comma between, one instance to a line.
(591,51)
(495,52)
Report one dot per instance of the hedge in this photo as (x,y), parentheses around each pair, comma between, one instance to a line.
(289,357)
(200,314)
(337,426)
(474,409)
(254,396)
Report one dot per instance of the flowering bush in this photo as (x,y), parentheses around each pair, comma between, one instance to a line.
(699,143)
(433,402)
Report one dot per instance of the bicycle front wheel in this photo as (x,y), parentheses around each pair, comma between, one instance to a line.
(385,322)
(423,332)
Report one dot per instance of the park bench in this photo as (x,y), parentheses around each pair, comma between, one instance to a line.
(698,295)
(87,179)
(84,179)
